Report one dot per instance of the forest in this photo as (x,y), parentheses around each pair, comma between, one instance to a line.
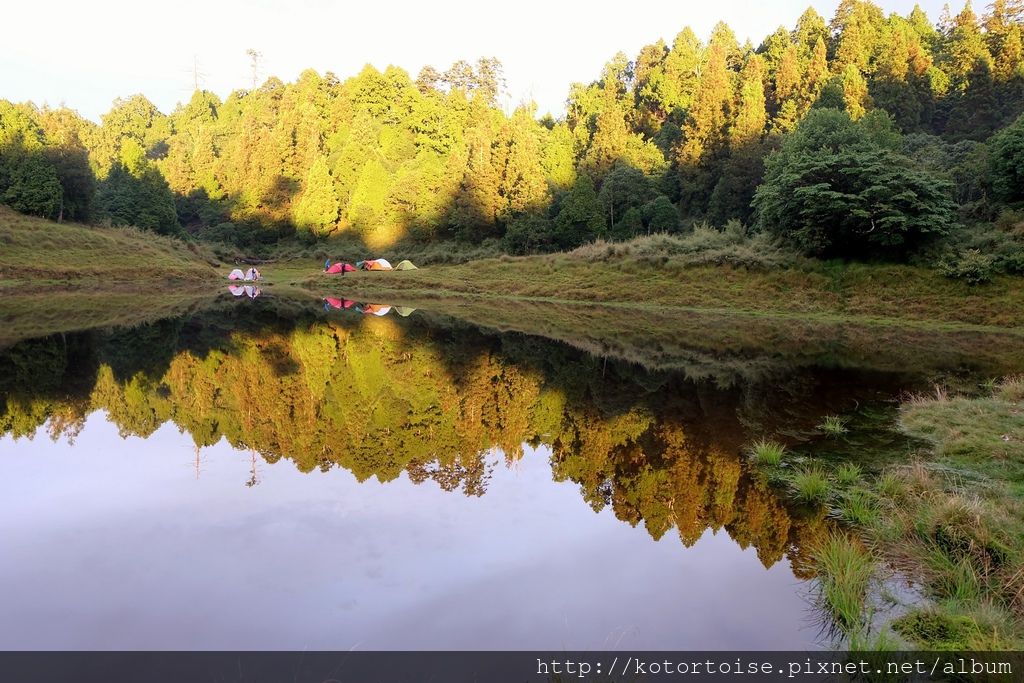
(860,137)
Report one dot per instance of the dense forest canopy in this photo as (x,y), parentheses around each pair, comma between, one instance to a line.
(680,134)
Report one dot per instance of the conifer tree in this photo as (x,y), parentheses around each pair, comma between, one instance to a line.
(316,210)
(751,116)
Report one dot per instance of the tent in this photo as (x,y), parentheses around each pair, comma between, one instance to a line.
(404,311)
(340,268)
(253,274)
(334,303)
(237,290)
(236,274)
(378,264)
(406,265)
(376,309)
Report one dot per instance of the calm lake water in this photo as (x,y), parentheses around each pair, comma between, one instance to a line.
(289,475)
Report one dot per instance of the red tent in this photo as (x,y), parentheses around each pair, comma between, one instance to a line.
(335,303)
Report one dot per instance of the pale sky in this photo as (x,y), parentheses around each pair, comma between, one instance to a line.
(84,54)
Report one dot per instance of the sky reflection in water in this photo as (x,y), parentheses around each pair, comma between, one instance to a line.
(114,543)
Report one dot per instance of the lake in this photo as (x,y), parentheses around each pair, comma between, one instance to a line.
(271,473)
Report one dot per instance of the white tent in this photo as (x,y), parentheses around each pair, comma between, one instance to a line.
(236,274)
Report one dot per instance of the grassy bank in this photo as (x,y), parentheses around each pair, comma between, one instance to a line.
(664,272)
(38,254)
(949,519)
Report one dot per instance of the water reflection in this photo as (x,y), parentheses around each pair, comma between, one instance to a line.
(365,308)
(379,400)
(505,419)
(251,291)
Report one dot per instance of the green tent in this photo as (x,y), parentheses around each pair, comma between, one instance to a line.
(406,265)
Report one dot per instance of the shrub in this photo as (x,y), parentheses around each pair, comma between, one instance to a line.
(971,265)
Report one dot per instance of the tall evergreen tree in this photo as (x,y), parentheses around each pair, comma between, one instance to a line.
(316,210)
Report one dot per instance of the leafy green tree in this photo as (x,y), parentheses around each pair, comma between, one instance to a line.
(29,182)
(1006,162)
(621,190)
(140,198)
(77,182)
(660,215)
(832,191)
(580,217)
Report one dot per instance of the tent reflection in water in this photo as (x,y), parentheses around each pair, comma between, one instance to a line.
(251,291)
(376,309)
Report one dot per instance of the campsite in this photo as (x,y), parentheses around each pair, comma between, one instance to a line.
(720,348)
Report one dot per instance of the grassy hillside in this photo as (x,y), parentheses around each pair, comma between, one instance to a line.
(646,274)
(37,253)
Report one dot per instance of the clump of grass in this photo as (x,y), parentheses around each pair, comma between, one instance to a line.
(811,485)
(844,569)
(937,630)
(1011,389)
(833,425)
(766,452)
(890,485)
(857,507)
(882,641)
(849,473)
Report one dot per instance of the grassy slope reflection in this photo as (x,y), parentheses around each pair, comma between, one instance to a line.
(379,399)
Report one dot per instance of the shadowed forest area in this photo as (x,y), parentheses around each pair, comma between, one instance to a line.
(863,136)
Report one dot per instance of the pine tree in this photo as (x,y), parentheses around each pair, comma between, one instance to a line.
(522,184)
(682,71)
(855,92)
(788,76)
(751,116)
(1009,63)
(856,27)
(815,77)
(610,140)
(316,210)
(706,133)
(964,47)
(810,28)
(707,123)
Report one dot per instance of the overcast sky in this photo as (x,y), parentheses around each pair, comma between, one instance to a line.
(84,54)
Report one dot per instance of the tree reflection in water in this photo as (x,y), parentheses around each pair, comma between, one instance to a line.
(440,402)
